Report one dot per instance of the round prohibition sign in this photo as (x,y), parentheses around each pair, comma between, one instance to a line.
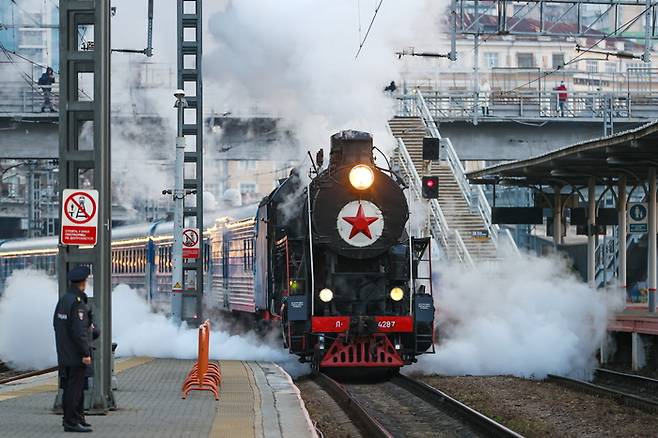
(79,205)
(191,238)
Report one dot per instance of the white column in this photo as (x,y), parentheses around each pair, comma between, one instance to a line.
(591,235)
(557,216)
(652,241)
(621,208)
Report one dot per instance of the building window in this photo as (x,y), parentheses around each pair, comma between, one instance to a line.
(558,60)
(247,187)
(491,59)
(611,67)
(247,164)
(525,60)
(592,66)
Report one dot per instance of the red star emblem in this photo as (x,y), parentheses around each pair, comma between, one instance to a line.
(360,223)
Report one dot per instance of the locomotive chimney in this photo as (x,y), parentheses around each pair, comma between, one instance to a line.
(350,147)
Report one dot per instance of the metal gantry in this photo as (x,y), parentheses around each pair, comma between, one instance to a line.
(190,80)
(557,18)
(77,110)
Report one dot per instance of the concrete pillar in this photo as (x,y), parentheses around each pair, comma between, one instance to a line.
(603,350)
(557,216)
(635,351)
(591,235)
(621,208)
(652,241)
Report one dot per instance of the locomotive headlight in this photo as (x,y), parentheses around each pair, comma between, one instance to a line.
(326,295)
(397,294)
(361,177)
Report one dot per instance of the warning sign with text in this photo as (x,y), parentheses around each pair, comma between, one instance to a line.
(79,217)
(191,243)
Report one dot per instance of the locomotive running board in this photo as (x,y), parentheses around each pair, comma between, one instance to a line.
(367,351)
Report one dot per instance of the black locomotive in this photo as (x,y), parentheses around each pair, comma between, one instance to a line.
(338,266)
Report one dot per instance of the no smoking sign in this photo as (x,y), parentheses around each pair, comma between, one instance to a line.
(79,217)
(191,243)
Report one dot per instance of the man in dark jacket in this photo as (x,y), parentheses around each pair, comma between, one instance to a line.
(73,331)
(46,81)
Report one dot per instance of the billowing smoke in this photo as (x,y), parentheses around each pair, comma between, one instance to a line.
(296,59)
(136,328)
(525,316)
(27,339)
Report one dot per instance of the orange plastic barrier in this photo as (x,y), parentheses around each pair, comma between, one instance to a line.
(205,375)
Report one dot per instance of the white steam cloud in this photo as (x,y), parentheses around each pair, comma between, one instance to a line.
(526,317)
(137,330)
(296,59)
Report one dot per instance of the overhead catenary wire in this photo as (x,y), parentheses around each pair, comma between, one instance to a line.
(369,27)
(621,28)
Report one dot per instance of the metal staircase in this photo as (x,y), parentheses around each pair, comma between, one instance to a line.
(462,214)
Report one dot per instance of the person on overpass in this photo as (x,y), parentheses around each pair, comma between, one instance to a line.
(562,97)
(73,331)
(46,81)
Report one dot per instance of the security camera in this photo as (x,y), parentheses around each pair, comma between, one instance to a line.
(179,94)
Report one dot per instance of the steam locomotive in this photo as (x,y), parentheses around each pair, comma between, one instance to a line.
(330,260)
(335,263)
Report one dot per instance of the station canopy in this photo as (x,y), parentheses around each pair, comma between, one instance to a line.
(630,153)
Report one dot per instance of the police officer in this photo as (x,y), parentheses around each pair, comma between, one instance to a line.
(73,331)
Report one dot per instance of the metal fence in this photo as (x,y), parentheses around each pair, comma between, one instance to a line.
(27,98)
(534,105)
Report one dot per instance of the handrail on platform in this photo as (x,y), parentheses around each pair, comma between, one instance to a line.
(204,375)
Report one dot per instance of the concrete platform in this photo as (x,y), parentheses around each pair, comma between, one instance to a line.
(256,400)
(635,319)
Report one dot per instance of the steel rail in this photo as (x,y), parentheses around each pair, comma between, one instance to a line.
(444,402)
(26,375)
(441,401)
(364,421)
(621,397)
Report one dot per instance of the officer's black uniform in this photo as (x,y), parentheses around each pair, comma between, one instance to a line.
(73,337)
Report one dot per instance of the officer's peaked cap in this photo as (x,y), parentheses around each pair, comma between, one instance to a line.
(79,273)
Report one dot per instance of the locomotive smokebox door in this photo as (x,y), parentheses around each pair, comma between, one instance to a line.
(424,306)
(297,308)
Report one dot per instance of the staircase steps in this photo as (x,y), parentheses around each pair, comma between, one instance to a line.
(453,204)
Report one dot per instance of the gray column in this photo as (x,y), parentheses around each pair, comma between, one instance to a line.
(621,208)
(635,351)
(102,396)
(557,216)
(591,235)
(651,241)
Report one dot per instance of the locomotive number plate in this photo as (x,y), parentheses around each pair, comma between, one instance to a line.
(396,324)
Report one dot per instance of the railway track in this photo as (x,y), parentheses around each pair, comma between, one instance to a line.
(403,407)
(8,376)
(628,389)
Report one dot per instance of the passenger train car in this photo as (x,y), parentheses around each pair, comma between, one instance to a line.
(331,261)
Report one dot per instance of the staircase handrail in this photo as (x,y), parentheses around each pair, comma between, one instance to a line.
(611,262)
(468,191)
(438,224)
(461,251)
(442,231)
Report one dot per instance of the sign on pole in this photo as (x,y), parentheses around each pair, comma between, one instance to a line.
(79,217)
(191,243)
(638,218)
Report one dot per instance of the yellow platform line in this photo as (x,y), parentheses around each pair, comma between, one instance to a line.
(238,408)
(51,383)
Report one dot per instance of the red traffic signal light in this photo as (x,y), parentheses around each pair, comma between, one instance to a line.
(430,187)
